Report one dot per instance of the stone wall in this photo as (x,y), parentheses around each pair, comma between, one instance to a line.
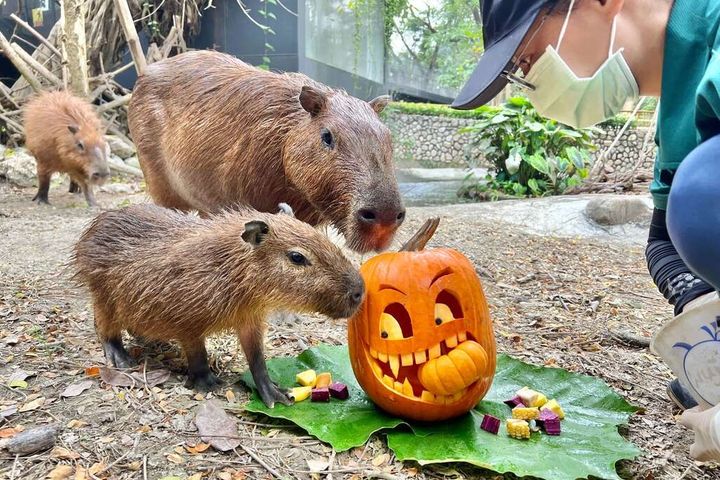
(427,141)
(430,141)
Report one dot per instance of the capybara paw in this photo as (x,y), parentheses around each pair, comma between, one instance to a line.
(273,394)
(119,358)
(205,382)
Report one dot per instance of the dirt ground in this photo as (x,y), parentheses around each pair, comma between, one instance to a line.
(554,301)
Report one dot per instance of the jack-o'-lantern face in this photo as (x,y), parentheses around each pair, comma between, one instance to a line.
(422,344)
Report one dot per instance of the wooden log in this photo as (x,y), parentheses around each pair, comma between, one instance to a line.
(32,440)
(118,102)
(37,66)
(74,13)
(118,133)
(5,92)
(126,169)
(35,34)
(18,62)
(126,20)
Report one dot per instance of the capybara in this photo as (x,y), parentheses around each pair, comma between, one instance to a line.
(164,274)
(65,135)
(212,131)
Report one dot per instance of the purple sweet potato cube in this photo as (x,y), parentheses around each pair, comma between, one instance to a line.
(490,424)
(320,395)
(549,422)
(514,402)
(339,390)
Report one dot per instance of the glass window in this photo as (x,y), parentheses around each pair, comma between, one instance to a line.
(346,34)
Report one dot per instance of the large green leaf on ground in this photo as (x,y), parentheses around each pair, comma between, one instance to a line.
(590,444)
(344,424)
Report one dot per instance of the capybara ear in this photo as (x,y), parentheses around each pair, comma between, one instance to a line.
(312,100)
(255,232)
(378,104)
(73,129)
(286,209)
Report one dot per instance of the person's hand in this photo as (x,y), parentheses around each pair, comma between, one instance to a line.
(706,426)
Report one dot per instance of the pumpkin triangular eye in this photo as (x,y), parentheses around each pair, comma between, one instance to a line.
(443,314)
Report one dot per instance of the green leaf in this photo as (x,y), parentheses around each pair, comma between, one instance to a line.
(589,445)
(538,162)
(342,424)
(500,118)
(266,60)
(269,47)
(534,187)
(272,15)
(22,384)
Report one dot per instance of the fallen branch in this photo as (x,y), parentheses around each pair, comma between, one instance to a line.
(127,169)
(118,102)
(629,338)
(35,34)
(37,66)
(21,66)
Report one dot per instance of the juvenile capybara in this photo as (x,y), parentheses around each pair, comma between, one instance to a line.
(212,131)
(65,135)
(164,274)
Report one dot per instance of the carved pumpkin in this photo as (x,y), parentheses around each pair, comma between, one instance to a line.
(422,345)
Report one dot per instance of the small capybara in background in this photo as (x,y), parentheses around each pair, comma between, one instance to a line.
(212,131)
(164,274)
(64,134)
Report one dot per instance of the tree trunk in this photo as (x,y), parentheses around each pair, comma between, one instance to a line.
(74,12)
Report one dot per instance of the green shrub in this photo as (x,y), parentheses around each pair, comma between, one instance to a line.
(434,110)
(530,155)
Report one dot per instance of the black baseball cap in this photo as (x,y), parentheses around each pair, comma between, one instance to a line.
(505,24)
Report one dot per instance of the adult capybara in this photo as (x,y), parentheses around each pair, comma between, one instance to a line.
(164,274)
(64,134)
(212,131)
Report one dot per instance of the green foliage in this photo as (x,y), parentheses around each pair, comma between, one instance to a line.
(530,155)
(440,41)
(590,444)
(433,110)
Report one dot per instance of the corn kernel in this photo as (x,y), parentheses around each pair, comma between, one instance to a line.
(525,413)
(519,429)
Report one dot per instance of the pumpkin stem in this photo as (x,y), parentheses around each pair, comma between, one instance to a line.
(418,241)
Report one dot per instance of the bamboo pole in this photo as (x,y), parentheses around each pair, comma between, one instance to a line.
(131,36)
(51,77)
(21,66)
(35,34)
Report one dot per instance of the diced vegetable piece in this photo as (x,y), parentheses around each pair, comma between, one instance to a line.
(490,424)
(320,395)
(518,428)
(531,398)
(555,407)
(306,378)
(339,390)
(514,402)
(549,422)
(323,380)
(300,393)
(525,413)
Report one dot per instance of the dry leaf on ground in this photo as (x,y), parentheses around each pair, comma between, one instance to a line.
(64,453)
(33,405)
(117,378)
(216,427)
(75,389)
(61,472)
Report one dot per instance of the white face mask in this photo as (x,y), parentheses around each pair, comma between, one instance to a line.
(580,102)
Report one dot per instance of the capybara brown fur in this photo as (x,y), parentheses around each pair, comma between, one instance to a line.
(65,135)
(212,131)
(164,274)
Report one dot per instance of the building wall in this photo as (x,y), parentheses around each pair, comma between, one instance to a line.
(430,141)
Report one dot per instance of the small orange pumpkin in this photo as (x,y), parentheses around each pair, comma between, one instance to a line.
(422,345)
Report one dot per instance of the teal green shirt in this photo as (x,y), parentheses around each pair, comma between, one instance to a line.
(690,98)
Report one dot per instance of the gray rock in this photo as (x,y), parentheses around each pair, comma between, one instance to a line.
(119,147)
(133,161)
(18,167)
(618,210)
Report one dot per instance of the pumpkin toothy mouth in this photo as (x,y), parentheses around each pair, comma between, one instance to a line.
(402,373)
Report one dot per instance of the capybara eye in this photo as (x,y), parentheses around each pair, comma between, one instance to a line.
(298,258)
(327,138)
(80,146)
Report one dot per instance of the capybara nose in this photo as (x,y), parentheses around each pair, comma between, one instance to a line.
(376,216)
(356,292)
